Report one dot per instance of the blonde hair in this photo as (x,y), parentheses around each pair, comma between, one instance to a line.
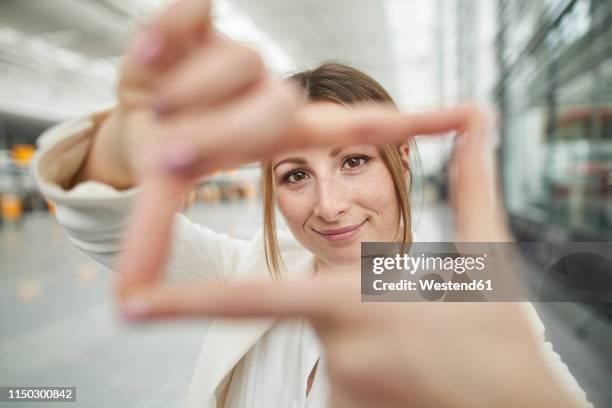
(345,85)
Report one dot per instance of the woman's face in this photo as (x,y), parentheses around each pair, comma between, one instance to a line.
(334,198)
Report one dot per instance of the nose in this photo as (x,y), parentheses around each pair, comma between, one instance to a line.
(332,201)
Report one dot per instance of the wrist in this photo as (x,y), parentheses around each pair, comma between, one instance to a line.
(106,160)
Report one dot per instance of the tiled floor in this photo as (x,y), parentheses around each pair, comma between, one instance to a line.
(59,326)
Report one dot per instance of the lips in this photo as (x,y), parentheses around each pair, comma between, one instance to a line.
(343,233)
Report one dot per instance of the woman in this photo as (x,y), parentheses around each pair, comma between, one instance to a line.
(331,198)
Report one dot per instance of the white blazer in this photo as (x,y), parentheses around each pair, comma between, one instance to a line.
(94,214)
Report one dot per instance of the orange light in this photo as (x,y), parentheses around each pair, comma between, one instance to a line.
(11,207)
(51,207)
(22,154)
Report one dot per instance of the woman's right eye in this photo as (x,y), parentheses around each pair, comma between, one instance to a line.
(294,176)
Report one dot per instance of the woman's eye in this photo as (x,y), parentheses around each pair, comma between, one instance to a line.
(355,162)
(295,176)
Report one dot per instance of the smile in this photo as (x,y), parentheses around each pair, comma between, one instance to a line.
(341,234)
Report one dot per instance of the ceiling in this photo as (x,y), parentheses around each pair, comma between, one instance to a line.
(59,58)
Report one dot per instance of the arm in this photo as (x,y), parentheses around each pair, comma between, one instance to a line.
(94,211)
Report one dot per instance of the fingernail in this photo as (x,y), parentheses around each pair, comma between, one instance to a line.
(134,310)
(148,48)
(179,158)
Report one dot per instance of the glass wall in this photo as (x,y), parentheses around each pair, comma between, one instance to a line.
(555,95)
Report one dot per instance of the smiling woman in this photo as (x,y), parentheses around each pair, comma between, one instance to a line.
(190,103)
(334,198)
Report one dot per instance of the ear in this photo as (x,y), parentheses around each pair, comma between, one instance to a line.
(404,150)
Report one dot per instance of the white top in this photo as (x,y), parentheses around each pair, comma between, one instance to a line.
(319,391)
(270,360)
(274,373)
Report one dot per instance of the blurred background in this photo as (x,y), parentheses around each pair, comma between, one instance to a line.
(545,65)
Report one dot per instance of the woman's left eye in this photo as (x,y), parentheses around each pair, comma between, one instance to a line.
(355,162)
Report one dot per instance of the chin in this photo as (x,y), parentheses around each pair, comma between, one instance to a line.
(343,257)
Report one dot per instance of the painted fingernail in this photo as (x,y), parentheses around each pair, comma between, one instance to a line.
(148,48)
(134,310)
(179,158)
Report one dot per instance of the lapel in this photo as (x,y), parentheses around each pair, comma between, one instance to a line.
(228,340)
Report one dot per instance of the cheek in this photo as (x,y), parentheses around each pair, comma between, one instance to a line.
(295,208)
(377,193)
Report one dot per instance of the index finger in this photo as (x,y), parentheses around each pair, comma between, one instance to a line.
(321,124)
(317,299)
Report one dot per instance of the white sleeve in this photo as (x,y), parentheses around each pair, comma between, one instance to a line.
(95,214)
(558,368)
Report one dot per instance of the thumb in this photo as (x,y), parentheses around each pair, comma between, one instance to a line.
(147,241)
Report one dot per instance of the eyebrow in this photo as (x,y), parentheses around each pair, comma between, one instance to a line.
(299,160)
(295,160)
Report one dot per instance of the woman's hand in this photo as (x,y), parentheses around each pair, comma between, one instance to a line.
(386,354)
(190,102)
(203,86)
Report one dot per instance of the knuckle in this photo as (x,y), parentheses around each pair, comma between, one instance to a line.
(289,97)
(249,58)
(279,99)
(474,112)
(364,130)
